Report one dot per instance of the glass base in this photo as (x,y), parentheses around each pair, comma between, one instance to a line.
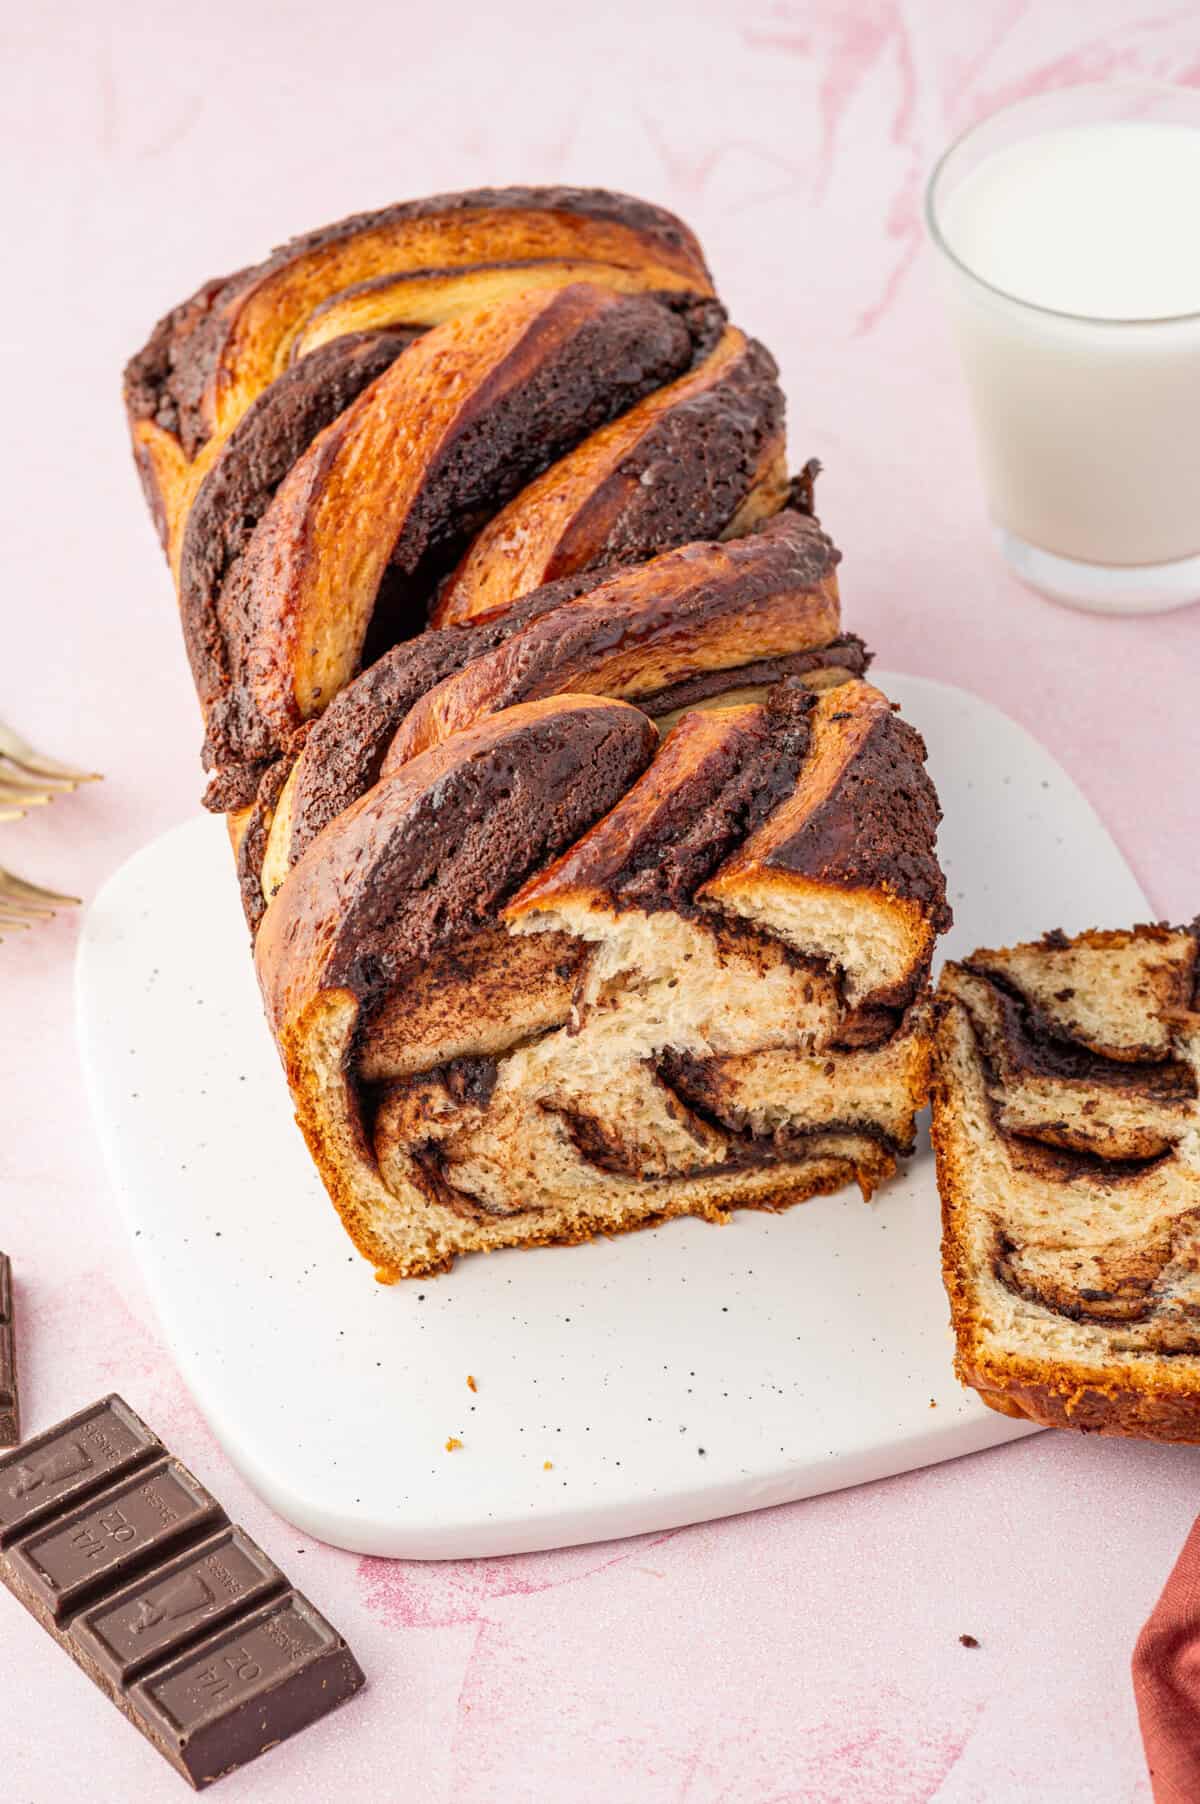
(1103,588)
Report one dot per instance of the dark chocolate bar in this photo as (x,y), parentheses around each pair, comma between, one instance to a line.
(177,1615)
(10,1405)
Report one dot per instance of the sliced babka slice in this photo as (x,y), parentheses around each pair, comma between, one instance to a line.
(515,1009)
(1067,1130)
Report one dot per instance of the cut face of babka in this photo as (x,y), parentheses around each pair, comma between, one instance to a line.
(1067,1130)
(546,1021)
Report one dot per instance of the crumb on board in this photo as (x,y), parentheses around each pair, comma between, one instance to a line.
(453,1444)
(547,1465)
(471,1384)
(967,1641)
(933,1403)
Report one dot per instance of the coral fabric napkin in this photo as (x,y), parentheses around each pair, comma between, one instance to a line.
(1166,1682)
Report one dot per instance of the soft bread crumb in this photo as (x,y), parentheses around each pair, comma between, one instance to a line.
(547,1465)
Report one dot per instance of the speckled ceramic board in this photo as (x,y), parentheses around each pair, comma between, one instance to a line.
(662,1378)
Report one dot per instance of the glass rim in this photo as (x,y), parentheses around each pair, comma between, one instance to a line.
(941,243)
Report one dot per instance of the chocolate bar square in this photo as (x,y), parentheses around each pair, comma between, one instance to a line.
(173,1611)
(10,1405)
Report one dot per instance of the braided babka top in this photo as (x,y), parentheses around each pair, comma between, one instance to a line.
(417,417)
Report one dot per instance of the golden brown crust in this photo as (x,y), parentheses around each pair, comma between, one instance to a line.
(1065,1398)
(716,776)
(209,360)
(428,855)
(273,434)
(686,463)
(704,608)
(457,422)
(820,1178)
(865,815)
(297,334)
(683,611)
(855,840)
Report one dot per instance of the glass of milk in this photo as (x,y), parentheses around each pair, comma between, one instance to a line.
(1069,232)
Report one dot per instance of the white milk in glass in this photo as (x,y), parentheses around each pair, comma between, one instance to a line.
(1074,274)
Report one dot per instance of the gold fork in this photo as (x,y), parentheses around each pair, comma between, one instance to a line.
(30,780)
(21,903)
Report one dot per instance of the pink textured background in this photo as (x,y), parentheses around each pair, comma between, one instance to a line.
(807,1653)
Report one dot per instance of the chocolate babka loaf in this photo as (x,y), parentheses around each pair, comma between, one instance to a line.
(591,882)
(1067,1129)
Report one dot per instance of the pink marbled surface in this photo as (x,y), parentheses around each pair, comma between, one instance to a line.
(806,1653)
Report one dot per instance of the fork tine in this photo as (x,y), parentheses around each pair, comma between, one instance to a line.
(22,911)
(20,920)
(16,892)
(20,792)
(19,751)
(20,778)
(23,795)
